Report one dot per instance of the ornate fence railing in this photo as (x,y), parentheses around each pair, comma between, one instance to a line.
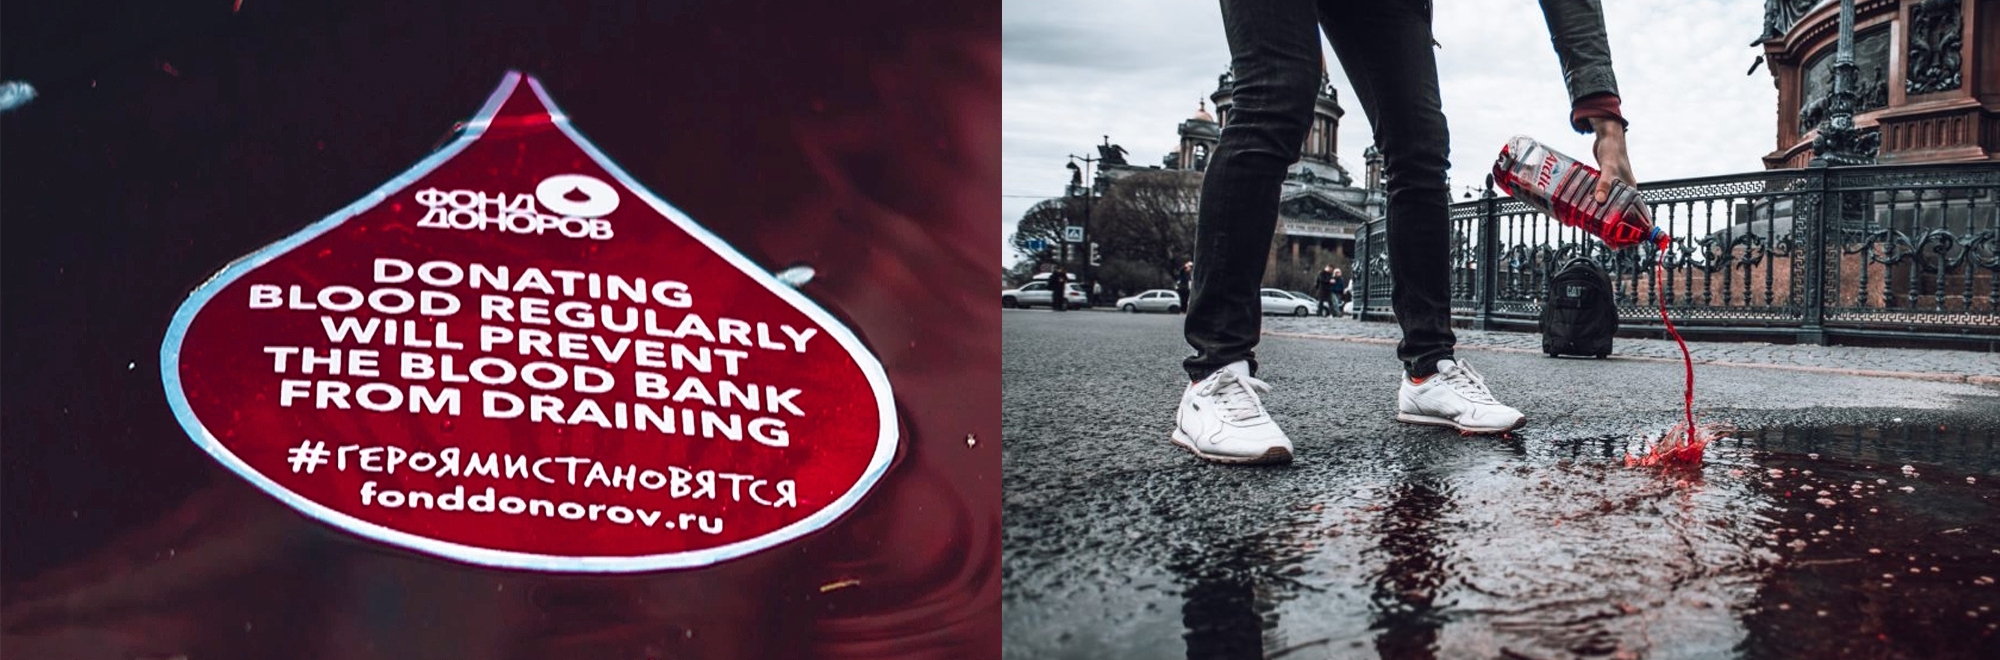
(1898,252)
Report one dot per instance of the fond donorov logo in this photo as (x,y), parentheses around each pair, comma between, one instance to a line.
(573,205)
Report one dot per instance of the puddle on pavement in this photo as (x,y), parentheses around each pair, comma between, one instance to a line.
(1889,545)
(1787,543)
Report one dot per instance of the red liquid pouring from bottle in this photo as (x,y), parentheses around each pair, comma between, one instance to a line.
(1567,190)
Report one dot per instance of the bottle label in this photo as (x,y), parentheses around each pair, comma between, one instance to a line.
(1552,171)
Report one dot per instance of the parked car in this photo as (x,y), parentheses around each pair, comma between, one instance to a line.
(1156,300)
(1037,293)
(1279,301)
(1301,295)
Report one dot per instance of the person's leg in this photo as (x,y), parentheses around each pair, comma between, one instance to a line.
(1385,48)
(1275,59)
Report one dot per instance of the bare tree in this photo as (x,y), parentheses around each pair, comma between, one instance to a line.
(1020,273)
(1045,220)
(1148,218)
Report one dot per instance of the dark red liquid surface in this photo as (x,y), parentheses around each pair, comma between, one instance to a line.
(873,160)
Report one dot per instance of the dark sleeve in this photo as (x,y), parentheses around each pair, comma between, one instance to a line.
(1577,28)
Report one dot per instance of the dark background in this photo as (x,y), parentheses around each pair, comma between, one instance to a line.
(172,137)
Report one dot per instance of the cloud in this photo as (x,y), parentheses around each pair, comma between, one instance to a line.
(1133,69)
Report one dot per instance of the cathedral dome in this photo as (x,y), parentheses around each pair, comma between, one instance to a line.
(1201,112)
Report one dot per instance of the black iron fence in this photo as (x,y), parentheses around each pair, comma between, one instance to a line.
(1906,253)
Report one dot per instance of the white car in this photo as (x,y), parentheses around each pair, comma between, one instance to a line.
(1037,293)
(1156,300)
(1279,301)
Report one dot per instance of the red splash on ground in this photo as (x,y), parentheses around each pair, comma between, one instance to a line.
(1678,446)
(1683,443)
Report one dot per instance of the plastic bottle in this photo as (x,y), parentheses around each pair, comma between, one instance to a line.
(1567,190)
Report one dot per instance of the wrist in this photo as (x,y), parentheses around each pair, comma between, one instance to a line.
(1586,112)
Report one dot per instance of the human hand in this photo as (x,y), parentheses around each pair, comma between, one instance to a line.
(1611,158)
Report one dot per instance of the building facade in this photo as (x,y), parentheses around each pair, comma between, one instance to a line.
(1320,208)
(1927,76)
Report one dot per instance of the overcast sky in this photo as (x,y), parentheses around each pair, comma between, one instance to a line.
(1074,72)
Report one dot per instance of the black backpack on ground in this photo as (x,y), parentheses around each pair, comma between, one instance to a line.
(1580,315)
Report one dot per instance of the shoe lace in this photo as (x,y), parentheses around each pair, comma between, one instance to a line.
(1237,396)
(1469,384)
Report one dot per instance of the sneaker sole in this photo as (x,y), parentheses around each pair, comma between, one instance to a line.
(1272,456)
(1427,420)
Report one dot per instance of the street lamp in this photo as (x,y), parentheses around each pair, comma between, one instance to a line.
(1089,185)
(1076,186)
(1839,142)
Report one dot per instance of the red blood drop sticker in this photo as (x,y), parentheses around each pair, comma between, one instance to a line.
(514,355)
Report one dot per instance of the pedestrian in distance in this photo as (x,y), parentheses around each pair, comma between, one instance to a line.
(1385,46)
(1059,289)
(1340,292)
(1183,283)
(1323,291)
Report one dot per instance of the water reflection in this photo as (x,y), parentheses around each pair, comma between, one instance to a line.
(1545,547)
(1233,586)
(1549,547)
(1222,612)
(1414,569)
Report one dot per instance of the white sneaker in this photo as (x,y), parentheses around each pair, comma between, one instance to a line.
(1222,419)
(1456,396)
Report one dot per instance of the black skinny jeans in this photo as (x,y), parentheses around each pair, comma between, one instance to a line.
(1385,48)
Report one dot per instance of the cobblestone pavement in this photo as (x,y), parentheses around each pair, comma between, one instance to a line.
(1941,365)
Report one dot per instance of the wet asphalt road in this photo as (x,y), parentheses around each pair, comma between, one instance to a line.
(1803,536)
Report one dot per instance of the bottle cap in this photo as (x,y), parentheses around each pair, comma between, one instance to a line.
(1659,238)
